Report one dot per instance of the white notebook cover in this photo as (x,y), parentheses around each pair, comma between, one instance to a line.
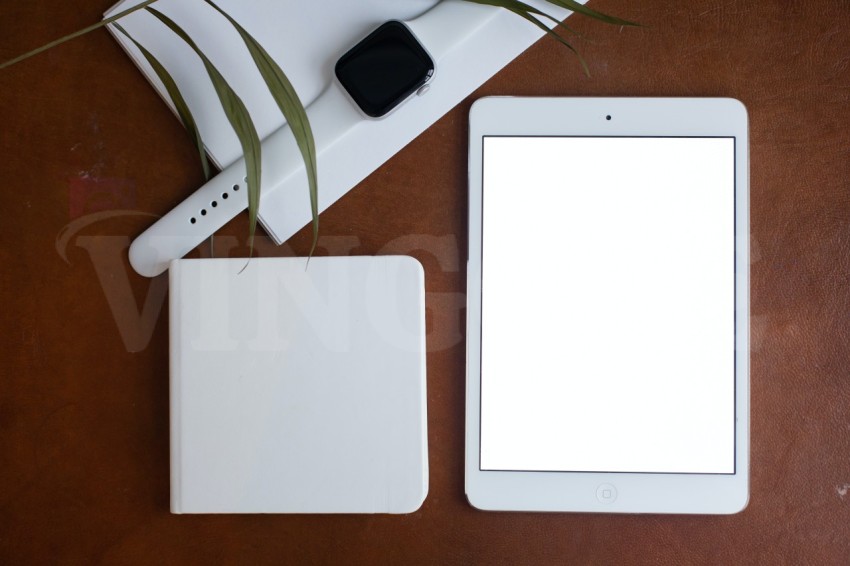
(306,38)
(298,390)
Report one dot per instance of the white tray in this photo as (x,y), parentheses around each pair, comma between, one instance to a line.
(306,38)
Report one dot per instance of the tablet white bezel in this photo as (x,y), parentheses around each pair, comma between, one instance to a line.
(609,492)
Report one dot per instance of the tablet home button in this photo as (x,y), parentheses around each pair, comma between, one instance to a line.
(606,493)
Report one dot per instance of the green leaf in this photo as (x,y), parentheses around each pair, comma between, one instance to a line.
(183,110)
(293,110)
(526,12)
(584,10)
(239,118)
(558,23)
(76,34)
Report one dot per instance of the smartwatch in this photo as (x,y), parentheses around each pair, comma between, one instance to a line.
(395,62)
(384,69)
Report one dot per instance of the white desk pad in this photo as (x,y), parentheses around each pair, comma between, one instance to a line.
(306,38)
(298,390)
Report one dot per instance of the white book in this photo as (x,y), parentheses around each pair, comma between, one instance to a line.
(295,389)
(306,39)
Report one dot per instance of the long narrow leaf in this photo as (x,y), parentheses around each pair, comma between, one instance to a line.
(525,11)
(517,6)
(585,11)
(174,93)
(558,37)
(239,119)
(529,10)
(293,110)
(76,34)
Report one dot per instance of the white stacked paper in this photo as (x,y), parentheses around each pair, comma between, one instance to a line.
(306,38)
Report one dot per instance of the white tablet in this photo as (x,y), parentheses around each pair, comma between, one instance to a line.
(608,312)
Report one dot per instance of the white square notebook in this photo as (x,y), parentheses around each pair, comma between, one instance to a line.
(298,390)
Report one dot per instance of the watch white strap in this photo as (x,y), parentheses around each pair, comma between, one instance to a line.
(332,115)
(224,196)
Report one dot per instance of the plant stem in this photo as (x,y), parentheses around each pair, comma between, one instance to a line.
(76,34)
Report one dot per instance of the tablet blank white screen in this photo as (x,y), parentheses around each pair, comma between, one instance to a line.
(607,339)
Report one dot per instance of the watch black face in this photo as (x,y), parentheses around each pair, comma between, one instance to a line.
(384,69)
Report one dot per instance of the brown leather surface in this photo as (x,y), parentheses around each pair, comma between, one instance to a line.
(83,342)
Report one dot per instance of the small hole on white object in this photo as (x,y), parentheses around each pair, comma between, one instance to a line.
(224,196)
(608,117)
(192,220)
(203,212)
(235,187)
(214,204)
(244,179)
